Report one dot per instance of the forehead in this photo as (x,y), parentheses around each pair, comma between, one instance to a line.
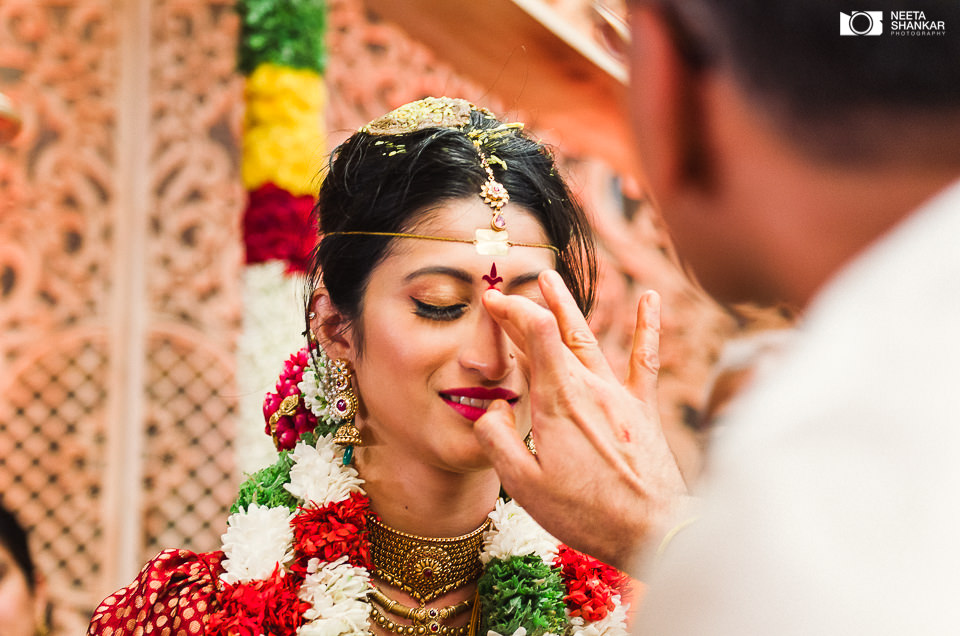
(459,219)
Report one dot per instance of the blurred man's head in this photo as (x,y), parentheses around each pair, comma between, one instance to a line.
(747,104)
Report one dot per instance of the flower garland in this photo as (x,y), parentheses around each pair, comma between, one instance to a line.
(282,54)
(297,555)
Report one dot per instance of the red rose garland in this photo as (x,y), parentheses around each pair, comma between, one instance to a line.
(288,429)
(277,226)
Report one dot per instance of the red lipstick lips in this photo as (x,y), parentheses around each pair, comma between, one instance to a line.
(472,402)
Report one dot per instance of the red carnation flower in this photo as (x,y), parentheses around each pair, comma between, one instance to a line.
(277,226)
(335,530)
(591,584)
(270,606)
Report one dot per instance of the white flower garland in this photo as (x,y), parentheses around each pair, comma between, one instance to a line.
(337,592)
(613,624)
(317,479)
(260,538)
(256,540)
(272,325)
(515,533)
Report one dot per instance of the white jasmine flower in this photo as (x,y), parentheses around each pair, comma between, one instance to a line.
(515,533)
(337,594)
(613,624)
(312,389)
(257,539)
(318,478)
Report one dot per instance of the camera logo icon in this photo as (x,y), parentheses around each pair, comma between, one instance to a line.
(861,23)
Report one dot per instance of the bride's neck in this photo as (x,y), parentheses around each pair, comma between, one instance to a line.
(425,500)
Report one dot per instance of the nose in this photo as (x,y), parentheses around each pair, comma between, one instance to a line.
(488,350)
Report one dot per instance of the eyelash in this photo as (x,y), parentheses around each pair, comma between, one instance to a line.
(442,313)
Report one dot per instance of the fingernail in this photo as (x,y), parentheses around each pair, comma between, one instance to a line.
(551,277)
(652,302)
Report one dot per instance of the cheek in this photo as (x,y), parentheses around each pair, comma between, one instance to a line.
(403,347)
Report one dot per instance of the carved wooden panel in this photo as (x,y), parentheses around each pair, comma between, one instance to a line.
(119,284)
(57,189)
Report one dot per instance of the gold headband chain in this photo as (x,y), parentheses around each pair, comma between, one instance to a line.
(486,241)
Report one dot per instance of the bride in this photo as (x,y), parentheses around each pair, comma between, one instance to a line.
(382,515)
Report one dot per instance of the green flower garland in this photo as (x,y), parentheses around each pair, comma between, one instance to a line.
(522,591)
(287,33)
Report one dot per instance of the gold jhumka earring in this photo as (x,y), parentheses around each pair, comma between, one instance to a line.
(344,406)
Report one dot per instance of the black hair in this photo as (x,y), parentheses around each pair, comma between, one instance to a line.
(385,183)
(13,536)
(838,96)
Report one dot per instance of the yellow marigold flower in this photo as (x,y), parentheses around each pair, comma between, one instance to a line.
(287,156)
(283,139)
(275,94)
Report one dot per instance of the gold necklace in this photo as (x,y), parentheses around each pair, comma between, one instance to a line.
(425,567)
(425,620)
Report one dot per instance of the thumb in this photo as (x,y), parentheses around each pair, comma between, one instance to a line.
(496,432)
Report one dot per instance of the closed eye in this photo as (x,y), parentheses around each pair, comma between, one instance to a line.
(443,313)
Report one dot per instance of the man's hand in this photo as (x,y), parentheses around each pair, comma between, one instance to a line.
(604,480)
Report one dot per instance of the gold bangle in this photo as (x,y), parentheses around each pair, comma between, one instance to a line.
(674,531)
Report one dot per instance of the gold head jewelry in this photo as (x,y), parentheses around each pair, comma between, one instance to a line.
(425,567)
(454,114)
(485,241)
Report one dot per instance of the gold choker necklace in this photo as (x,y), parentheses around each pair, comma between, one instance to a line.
(424,567)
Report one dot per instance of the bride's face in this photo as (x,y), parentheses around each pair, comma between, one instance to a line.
(432,359)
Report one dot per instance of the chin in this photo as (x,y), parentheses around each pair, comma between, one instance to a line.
(468,459)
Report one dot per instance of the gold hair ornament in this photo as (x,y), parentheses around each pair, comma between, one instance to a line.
(454,114)
(486,242)
(287,408)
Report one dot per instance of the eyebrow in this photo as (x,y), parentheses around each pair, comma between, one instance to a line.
(453,272)
(463,276)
